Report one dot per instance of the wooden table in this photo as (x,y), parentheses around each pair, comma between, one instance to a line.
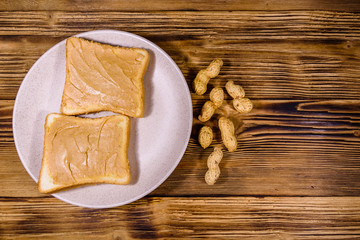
(296,173)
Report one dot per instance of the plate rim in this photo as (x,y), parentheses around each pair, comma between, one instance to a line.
(188,130)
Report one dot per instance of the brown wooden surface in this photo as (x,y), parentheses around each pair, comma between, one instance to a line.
(184,217)
(296,173)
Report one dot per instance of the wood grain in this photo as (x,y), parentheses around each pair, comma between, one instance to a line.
(199,5)
(185,218)
(313,55)
(296,173)
(286,148)
(169,25)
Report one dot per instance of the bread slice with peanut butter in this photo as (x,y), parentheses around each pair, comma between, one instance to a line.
(80,151)
(102,77)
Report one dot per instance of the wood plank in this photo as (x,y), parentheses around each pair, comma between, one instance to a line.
(184,218)
(313,55)
(158,5)
(286,147)
(261,73)
(235,25)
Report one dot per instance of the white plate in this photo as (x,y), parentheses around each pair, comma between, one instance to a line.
(157,141)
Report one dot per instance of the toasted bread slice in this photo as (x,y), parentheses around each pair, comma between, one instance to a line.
(81,151)
(101,77)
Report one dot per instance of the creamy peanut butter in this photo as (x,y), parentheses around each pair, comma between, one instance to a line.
(103,77)
(84,150)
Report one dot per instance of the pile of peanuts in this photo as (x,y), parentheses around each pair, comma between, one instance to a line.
(226,126)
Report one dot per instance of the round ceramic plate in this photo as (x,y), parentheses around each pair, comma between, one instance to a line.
(157,141)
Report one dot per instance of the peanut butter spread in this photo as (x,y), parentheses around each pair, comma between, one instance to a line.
(79,151)
(103,77)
